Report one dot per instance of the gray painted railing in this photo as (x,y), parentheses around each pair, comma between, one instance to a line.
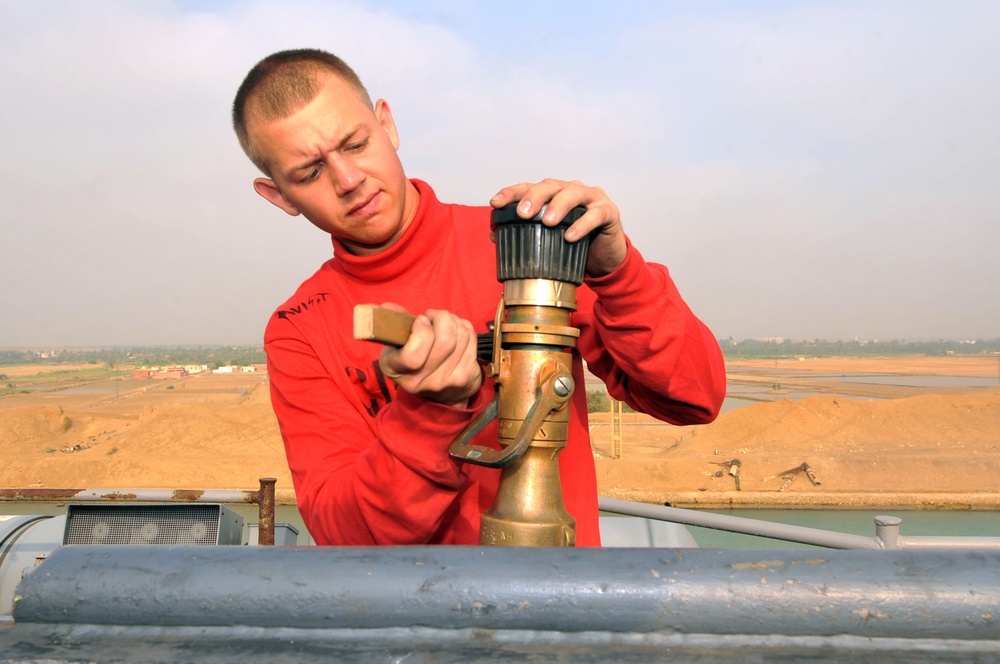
(887,535)
(468,604)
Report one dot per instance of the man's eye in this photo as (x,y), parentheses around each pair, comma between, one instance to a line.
(357,147)
(313,174)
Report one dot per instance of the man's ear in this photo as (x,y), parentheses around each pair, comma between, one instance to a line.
(269,190)
(384,116)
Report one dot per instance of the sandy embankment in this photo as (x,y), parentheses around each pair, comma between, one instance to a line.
(218,432)
(922,451)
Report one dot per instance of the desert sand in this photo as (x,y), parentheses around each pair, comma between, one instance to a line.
(864,445)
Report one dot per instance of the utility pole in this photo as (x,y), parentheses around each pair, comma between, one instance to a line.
(616,428)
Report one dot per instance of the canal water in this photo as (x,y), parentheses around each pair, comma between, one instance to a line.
(904,380)
(857,522)
(740,395)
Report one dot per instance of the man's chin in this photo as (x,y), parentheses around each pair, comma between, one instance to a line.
(369,245)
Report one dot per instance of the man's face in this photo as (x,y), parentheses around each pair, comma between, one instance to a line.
(334,161)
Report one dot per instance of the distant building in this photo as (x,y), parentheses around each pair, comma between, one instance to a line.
(171,372)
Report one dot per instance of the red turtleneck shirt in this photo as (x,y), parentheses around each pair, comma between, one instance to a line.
(370,464)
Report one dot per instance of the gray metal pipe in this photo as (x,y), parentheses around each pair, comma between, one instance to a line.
(735,524)
(891,594)
(887,530)
(944,543)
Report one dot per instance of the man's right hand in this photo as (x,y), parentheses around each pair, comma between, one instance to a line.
(438,361)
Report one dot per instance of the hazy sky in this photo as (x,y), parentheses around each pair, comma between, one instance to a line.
(805,169)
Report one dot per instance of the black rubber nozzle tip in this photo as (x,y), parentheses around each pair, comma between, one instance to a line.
(528,249)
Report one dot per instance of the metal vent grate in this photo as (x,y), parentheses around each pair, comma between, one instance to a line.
(151,525)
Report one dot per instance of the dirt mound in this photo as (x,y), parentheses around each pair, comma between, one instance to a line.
(29,424)
(219,432)
(824,421)
(921,444)
(169,446)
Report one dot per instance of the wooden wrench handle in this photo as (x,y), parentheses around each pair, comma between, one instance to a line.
(392,328)
(385,326)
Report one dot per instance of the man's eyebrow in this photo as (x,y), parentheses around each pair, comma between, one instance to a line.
(311,160)
(303,165)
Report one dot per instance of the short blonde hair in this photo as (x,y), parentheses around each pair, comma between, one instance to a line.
(279,85)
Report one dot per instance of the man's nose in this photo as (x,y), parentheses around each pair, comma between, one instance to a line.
(346,176)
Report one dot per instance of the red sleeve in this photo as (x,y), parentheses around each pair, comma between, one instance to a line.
(360,481)
(650,350)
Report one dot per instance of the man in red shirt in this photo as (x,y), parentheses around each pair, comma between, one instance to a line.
(367,429)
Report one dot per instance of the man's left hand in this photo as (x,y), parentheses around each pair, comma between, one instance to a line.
(607,246)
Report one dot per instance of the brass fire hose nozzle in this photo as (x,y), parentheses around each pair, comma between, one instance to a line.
(531,363)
